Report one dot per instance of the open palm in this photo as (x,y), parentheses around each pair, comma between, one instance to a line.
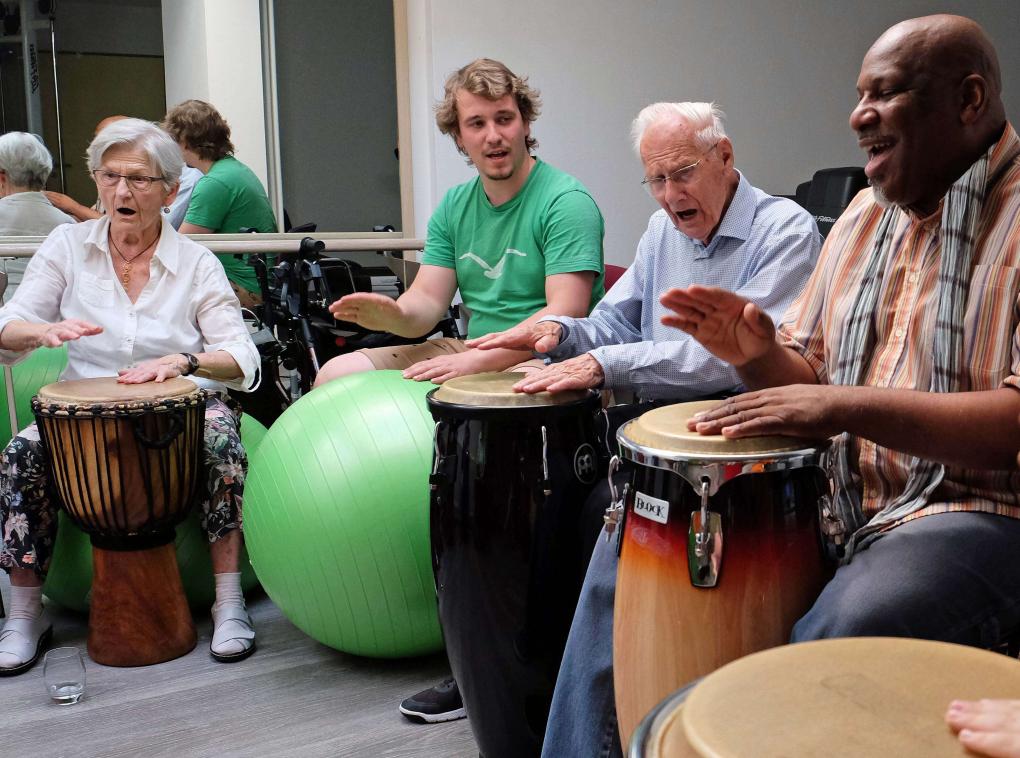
(730,327)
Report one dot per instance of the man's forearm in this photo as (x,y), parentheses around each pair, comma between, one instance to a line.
(777,367)
(968,429)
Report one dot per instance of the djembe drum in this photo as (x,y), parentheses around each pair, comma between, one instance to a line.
(871,697)
(124,461)
(720,552)
(510,476)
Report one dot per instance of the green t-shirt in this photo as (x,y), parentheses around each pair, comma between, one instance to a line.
(503,254)
(227,199)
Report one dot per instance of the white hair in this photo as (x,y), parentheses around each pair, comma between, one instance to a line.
(25,160)
(705,119)
(162,151)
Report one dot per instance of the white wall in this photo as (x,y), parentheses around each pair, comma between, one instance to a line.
(213,52)
(784,71)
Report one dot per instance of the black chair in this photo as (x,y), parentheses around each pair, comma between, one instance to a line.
(829,192)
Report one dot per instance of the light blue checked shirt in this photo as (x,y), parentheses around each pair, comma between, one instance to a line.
(764,250)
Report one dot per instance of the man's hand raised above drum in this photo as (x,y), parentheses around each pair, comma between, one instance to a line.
(369,310)
(578,373)
(541,337)
(730,327)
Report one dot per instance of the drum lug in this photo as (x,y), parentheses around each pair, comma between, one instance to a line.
(546,483)
(704,543)
(435,478)
(614,513)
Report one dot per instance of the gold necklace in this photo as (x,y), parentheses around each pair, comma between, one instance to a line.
(125,273)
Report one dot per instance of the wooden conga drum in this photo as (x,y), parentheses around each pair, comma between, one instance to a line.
(869,697)
(510,476)
(124,461)
(720,552)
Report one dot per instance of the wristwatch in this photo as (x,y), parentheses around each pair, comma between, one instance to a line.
(192,364)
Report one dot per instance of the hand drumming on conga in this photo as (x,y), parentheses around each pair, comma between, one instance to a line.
(541,337)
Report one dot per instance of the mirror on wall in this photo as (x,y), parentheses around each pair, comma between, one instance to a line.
(337,126)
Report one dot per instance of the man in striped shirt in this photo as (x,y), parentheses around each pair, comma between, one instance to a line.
(905,348)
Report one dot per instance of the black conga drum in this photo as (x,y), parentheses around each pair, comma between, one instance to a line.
(720,554)
(510,475)
(124,461)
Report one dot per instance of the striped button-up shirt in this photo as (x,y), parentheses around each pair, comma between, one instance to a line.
(905,323)
(765,249)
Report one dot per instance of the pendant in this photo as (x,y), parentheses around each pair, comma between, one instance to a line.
(125,274)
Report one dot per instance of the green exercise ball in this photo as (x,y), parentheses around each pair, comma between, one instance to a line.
(41,367)
(69,581)
(337,516)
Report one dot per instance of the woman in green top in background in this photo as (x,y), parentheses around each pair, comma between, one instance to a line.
(229,197)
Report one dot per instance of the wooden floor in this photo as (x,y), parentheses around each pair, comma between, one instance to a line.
(293,698)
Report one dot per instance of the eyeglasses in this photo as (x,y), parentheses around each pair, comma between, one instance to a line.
(656,186)
(111,178)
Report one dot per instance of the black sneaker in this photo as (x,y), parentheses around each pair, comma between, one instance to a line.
(439,703)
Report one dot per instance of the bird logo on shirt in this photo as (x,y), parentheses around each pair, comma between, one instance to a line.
(494,272)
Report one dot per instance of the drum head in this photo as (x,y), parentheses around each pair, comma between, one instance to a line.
(665,429)
(107,389)
(866,696)
(495,390)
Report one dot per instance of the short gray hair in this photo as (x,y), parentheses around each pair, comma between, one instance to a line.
(25,160)
(162,151)
(705,119)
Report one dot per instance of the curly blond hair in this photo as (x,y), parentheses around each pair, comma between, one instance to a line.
(492,80)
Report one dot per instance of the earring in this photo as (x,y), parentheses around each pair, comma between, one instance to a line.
(166,209)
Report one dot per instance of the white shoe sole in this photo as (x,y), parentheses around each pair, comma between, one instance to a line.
(433,718)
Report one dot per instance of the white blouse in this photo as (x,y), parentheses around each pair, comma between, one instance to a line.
(186,306)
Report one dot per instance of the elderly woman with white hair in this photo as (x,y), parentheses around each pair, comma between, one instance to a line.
(130,297)
(25,165)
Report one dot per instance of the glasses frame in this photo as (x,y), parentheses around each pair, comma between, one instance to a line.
(678,176)
(139,182)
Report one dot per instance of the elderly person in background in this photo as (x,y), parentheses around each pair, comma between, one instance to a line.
(175,211)
(129,296)
(25,165)
(229,197)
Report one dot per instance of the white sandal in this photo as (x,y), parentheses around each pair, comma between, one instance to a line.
(232,629)
(24,640)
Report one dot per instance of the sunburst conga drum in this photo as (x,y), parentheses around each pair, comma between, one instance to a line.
(510,475)
(124,462)
(720,552)
(871,697)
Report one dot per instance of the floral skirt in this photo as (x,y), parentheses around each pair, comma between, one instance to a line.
(28,504)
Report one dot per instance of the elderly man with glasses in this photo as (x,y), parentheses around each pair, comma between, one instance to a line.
(713,228)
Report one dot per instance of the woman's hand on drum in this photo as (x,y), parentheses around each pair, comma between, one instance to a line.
(55,335)
(812,411)
(730,327)
(987,727)
(155,370)
(577,373)
(368,310)
(540,337)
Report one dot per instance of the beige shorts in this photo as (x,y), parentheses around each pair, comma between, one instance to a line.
(404,356)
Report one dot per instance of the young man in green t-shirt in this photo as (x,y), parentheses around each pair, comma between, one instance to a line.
(521,240)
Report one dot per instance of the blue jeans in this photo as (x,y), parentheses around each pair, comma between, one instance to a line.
(582,719)
(952,577)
